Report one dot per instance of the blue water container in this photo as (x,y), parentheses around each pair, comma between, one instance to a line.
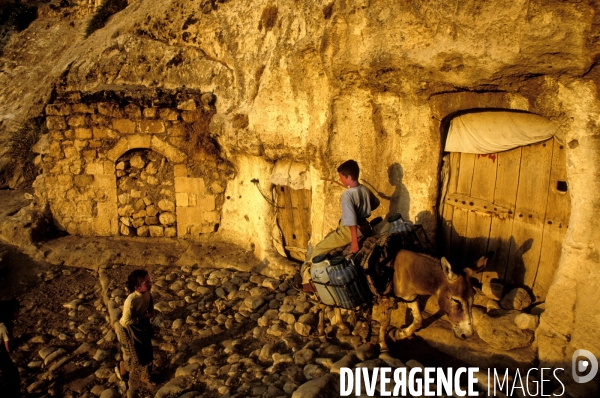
(348,283)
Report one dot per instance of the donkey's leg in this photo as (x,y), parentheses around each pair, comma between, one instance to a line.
(386,306)
(321,325)
(414,326)
(339,321)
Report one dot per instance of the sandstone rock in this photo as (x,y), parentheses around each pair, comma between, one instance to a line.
(167,218)
(302,329)
(124,230)
(516,299)
(137,162)
(100,355)
(36,386)
(347,361)
(492,305)
(313,371)
(327,363)
(271,283)
(143,231)
(44,352)
(56,354)
(492,290)
(97,390)
(162,306)
(166,205)
(174,387)
(110,393)
(177,323)
(499,330)
(189,105)
(151,211)
(316,388)
(527,321)
(288,318)
(304,356)
(156,231)
(35,364)
(254,302)
(279,359)
(59,363)
(104,373)
(308,319)
(85,348)
(187,370)
(276,330)
(216,188)
(39,339)
(72,304)
(367,351)
(82,384)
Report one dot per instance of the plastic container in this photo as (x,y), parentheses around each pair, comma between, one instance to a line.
(318,273)
(348,284)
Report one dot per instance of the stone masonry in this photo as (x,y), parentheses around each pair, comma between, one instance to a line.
(131,162)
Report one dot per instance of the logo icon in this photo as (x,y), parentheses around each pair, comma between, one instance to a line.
(581,365)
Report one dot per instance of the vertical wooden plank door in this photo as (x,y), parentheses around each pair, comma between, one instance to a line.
(293,219)
(515,203)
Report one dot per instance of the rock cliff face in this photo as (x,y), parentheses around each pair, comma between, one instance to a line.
(319,82)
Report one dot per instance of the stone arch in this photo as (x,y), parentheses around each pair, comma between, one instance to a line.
(143,141)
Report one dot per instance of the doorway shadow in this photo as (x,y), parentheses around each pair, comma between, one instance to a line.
(507,262)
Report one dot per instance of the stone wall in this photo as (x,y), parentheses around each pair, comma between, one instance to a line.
(131,162)
(146,195)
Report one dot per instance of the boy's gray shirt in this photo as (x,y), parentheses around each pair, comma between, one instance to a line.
(357,204)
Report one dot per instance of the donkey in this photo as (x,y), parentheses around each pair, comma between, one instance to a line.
(420,274)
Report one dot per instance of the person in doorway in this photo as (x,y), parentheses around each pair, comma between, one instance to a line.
(357,204)
(9,312)
(134,329)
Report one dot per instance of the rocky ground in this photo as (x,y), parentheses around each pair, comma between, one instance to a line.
(219,333)
(223,327)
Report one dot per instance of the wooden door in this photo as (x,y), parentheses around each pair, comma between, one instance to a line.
(514,203)
(293,218)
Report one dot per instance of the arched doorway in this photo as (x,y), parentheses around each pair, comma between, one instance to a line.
(293,198)
(514,202)
(145,194)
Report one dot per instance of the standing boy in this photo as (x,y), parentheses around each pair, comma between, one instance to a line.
(134,329)
(357,203)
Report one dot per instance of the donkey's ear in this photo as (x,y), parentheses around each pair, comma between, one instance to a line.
(479,265)
(447,268)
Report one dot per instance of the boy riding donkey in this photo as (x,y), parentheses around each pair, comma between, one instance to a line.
(357,204)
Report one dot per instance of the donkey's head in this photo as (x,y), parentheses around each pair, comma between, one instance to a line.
(455,296)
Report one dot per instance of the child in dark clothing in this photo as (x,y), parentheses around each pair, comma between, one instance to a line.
(134,329)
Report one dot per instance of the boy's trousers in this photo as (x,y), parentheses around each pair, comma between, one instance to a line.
(340,237)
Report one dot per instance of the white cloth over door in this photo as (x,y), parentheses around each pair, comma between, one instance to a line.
(491,132)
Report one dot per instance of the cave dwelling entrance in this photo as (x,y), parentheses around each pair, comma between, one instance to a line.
(504,188)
